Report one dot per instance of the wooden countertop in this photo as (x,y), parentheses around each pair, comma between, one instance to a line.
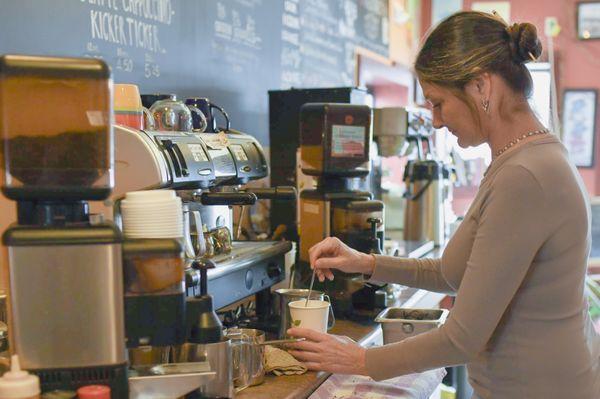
(302,386)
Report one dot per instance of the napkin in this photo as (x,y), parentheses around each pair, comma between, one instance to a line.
(279,362)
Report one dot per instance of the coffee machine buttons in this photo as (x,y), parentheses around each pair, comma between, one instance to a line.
(249,280)
(239,153)
(198,152)
(273,270)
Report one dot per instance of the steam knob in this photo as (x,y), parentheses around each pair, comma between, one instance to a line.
(203,266)
(375,242)
(204,325)
(273,270)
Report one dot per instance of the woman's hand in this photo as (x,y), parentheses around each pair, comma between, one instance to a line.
(331,253)
(331,353)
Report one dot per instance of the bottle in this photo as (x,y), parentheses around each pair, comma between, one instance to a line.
(94,392)
(19,384)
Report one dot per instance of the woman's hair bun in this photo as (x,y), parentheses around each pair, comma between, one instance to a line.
(524,43)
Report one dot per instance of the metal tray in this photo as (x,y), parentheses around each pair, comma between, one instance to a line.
(168,380)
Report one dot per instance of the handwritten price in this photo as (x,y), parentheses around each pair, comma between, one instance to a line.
(125,64)
(151,70)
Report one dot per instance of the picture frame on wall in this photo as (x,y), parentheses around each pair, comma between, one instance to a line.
(579,125)
(588,20)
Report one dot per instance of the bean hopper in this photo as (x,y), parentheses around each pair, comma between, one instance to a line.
(335,141)
(66,289)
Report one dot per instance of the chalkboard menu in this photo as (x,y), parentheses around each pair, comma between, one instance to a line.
(232,51)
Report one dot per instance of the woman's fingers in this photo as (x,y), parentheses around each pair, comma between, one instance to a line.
(327,247)
(314,366)
(309,334)
(309,346)
(304,356)
(319,275)
(331,263)
(323,274)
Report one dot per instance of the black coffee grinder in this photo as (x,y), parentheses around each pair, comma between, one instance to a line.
(335,142)
(66,284)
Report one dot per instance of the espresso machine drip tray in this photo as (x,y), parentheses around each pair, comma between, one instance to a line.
(250,267)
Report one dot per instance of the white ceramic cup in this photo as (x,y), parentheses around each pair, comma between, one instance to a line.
(315,316)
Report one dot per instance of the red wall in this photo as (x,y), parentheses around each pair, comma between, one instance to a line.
(577,62)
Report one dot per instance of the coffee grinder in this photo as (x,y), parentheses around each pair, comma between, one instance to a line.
(335,141)
(66,289)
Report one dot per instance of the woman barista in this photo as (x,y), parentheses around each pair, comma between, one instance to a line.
(516,263)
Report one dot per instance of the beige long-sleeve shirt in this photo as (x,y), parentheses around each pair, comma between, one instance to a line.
(516,265)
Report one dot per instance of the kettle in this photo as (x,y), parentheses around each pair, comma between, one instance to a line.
(174,115)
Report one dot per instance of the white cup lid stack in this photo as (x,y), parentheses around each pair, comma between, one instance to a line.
(152,214)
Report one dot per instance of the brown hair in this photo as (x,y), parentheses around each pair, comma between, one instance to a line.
(469,42)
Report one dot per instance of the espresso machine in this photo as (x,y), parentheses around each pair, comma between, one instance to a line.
(66,289)
(208,172)
(335,140)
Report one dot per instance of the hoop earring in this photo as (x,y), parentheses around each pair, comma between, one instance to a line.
(486,105)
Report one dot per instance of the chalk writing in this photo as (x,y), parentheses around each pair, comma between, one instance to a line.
(131,23)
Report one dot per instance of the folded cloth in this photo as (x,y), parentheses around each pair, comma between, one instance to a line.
(279,362)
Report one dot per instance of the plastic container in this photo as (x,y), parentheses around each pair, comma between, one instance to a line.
(19,384)
(400,323)
(153,265)
(56,128)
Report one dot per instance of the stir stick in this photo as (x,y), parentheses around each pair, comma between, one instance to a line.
(312,281)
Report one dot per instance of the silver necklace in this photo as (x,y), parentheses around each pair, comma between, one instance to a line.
(515,141)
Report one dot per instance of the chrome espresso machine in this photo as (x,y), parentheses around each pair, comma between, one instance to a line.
(207,170)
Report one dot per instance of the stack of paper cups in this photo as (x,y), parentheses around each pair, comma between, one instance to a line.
(152,214)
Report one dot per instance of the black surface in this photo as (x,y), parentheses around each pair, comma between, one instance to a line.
(71,379)
(203,324)
(231,51)
(161,318)
(52,213)
(317,121)
(284,138)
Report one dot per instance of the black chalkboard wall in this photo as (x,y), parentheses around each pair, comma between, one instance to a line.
(232,51)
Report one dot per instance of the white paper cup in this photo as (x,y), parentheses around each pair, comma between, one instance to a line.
(315,316)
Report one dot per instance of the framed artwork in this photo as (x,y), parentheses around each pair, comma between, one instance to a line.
(579,125)
(588,20)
